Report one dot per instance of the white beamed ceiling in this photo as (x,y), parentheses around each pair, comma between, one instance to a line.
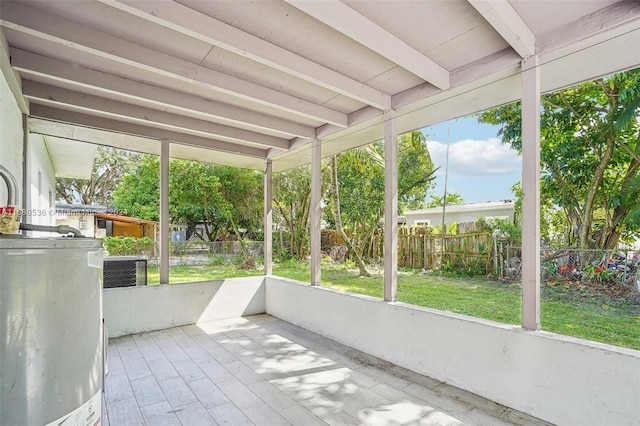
(237,82)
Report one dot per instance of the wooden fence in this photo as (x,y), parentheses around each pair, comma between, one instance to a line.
(470,249)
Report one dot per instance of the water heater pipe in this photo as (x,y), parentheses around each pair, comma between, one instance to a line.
(61,229)
(12,186)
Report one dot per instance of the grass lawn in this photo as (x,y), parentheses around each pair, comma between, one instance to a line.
(578,314)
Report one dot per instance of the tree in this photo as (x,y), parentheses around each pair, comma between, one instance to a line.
(291,202)
(223,199)
(359,181)
(109,167)
(337,217)
(452,198)
(590,155)
(195,198)
(415,171)
(138,193)
(242,190)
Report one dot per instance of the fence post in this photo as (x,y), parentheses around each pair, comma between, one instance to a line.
(495,254)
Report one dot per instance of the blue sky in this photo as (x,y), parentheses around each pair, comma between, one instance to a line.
(480,167)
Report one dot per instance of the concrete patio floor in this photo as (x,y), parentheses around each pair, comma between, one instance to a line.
(264,371)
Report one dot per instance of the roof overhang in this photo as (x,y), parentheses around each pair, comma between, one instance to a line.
(467,207)
(241,82)
(70,158)
(124,219)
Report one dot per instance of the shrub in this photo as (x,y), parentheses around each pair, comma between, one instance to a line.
(127,246)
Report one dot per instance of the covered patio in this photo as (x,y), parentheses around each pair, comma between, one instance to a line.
(278,84)
(264,371)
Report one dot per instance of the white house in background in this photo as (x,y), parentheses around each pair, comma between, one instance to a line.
(461,213)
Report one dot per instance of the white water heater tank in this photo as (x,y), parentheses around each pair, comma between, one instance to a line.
(51,332)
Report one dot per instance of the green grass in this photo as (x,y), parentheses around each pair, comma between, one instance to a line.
(607,320)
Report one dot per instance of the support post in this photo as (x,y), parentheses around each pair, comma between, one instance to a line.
(390,207)
(26,204)
(531,193)
(316,198)
(164,212)
(268,218)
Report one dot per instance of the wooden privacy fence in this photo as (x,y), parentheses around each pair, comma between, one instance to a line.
(469,252)
(417,248)
(470,249)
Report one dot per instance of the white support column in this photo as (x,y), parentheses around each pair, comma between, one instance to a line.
(390,207)
(164,212)
(531,193)
(268,218)
(316,198)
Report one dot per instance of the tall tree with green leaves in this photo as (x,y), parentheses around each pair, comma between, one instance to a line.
(291,206)
(590,155)
(415,171)
(335,200)
(223,199)
(138,193)
(109,167)
(242,191)
(195,198)
(358,178)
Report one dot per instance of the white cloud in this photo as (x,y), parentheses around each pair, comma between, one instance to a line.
(469,158)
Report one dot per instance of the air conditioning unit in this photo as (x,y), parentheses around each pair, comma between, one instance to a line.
(124,271)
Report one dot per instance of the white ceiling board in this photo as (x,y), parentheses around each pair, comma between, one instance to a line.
(377,38)
(224,36)
(605,24)
(45,95)
(450,32)
(68,35)
(247,69)
(288,27)
(395,80)
(70,158)
(11,76)
(121,126)
(468,47)
(564,11)
(424,25)
(506,21)
(156,81)
(108,20)
(61,74)
(187,152)
(94,136)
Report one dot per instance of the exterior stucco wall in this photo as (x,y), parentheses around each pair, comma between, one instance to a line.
(41,184)
(11,139)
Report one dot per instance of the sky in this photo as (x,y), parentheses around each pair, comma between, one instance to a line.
(481,168)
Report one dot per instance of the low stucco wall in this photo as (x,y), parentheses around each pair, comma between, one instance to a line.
(129,310)
(555,378)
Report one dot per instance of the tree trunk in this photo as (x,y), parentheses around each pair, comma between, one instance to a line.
(609,236)
(335,197)
(584,235)
(235,228)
